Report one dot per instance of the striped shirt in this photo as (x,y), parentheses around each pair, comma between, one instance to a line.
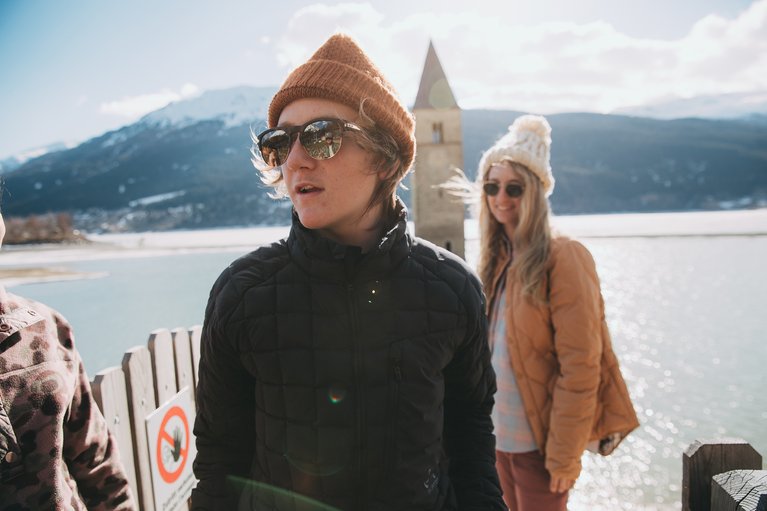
(512,430)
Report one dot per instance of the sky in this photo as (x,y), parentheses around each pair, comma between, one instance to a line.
(73,70)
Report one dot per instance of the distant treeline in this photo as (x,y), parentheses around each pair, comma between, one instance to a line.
(193,176)
(47,228)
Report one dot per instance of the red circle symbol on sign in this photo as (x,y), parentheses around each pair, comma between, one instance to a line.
(176,448)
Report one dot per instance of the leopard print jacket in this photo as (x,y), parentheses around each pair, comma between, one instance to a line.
(55,450)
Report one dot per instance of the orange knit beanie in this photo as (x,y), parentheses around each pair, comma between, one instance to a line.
(341,71)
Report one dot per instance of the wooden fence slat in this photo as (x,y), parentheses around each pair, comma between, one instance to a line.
(182,353)
(195,333)
(738,490)
(110,393)
(139,380)
(703,460)
(161,347)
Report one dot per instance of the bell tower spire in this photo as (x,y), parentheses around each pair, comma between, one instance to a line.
(438,217)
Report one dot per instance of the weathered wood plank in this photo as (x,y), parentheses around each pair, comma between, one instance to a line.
(182,355)
(738,490)
(702,460)
(139,380)
(161,347)
(111,395)
(195,333)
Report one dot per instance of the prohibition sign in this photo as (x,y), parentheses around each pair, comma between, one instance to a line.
(179,447)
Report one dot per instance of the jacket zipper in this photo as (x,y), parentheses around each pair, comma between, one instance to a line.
(359,382)
(392,412)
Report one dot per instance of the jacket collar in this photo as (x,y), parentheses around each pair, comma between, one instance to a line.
(15,315)
(325,258)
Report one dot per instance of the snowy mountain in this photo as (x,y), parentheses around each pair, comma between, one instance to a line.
(235,106)
(746,106)
(13,162)
(188,165)
(185,165)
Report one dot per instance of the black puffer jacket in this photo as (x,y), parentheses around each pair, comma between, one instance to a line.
(359,381)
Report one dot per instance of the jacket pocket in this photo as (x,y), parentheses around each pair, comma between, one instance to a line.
(11,465)
(447,500)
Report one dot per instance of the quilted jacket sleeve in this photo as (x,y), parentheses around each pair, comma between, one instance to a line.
(223,427)
(469,389)
(576,314)
(91,451)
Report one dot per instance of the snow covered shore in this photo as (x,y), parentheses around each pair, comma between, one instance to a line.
(20,264)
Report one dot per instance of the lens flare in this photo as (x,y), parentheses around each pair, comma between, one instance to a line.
(284,499)
(336,393)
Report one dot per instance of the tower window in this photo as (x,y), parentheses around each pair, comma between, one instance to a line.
(436,133)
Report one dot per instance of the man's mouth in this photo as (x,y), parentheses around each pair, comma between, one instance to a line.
(303,189)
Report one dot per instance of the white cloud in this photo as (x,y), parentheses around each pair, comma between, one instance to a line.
(133,107)
(551,67)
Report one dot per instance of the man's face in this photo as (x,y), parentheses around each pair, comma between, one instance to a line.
(329,195)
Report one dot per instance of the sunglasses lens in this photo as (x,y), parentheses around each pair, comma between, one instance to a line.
(491,189)
(322,139)
(275,146)
(513,190)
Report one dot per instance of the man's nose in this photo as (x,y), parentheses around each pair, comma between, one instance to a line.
(297,154)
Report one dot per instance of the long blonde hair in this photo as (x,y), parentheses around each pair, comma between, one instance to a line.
(532,237)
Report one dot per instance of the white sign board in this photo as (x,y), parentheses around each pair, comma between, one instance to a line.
(171,451)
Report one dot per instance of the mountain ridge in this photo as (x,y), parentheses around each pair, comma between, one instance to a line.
(188,166)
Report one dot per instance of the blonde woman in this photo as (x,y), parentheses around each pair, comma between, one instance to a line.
(560,389)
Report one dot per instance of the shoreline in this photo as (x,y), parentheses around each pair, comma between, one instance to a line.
(10,277)
(25,264)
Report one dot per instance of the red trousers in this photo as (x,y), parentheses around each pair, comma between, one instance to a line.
(525,482)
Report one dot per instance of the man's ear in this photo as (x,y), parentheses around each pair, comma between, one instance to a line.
(385,174)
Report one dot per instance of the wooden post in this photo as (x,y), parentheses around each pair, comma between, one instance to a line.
(182,355)
(137,366)
(161,347)
(195,333)
(703,460)
(739,490)
(112,397)
(149,377)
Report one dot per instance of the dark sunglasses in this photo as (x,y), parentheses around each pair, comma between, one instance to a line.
(321,138)
(513,190)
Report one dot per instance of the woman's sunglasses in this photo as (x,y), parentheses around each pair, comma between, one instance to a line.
(513,190)
(321,138)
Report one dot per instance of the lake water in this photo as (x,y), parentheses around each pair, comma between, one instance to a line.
(686,314)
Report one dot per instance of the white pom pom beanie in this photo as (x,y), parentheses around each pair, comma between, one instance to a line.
(528,142)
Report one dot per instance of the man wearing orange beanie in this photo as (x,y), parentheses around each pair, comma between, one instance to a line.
(345,367)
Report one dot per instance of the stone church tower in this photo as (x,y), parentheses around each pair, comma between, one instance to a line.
(438,216)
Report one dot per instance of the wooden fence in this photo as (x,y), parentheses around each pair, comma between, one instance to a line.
(723,475)
(149,376)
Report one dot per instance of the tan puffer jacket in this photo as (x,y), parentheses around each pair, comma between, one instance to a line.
(562,358)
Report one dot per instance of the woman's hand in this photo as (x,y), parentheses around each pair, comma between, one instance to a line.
(560,485)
